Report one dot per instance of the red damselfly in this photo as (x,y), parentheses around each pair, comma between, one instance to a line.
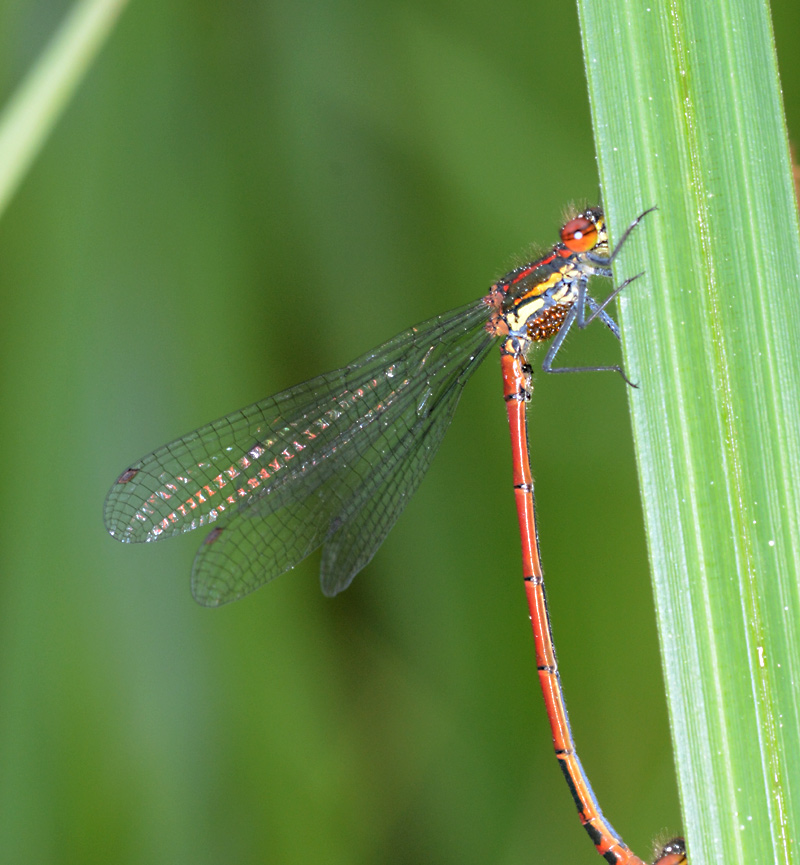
(333,461)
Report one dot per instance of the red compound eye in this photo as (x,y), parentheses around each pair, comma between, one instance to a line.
(579,234)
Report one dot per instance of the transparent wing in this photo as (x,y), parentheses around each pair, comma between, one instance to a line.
(359,530)
(351,513)
(272,477)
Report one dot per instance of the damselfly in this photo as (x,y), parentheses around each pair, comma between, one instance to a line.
(333,461)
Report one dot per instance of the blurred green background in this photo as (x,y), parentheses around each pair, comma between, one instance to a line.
(224,169)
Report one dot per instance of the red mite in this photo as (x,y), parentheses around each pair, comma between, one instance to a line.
(333,461)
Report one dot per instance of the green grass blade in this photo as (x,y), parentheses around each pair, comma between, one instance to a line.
(687,115)
(33,110)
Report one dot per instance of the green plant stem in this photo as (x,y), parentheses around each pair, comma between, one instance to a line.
(33,110)
(687,115)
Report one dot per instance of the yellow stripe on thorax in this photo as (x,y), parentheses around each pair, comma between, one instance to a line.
(541,296)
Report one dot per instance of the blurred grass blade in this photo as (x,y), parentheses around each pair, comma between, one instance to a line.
(41,97)
(687,115)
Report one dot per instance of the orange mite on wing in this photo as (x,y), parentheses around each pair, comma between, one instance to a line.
(546,325)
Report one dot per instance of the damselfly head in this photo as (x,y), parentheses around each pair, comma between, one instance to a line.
(672,853)
(586,231)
